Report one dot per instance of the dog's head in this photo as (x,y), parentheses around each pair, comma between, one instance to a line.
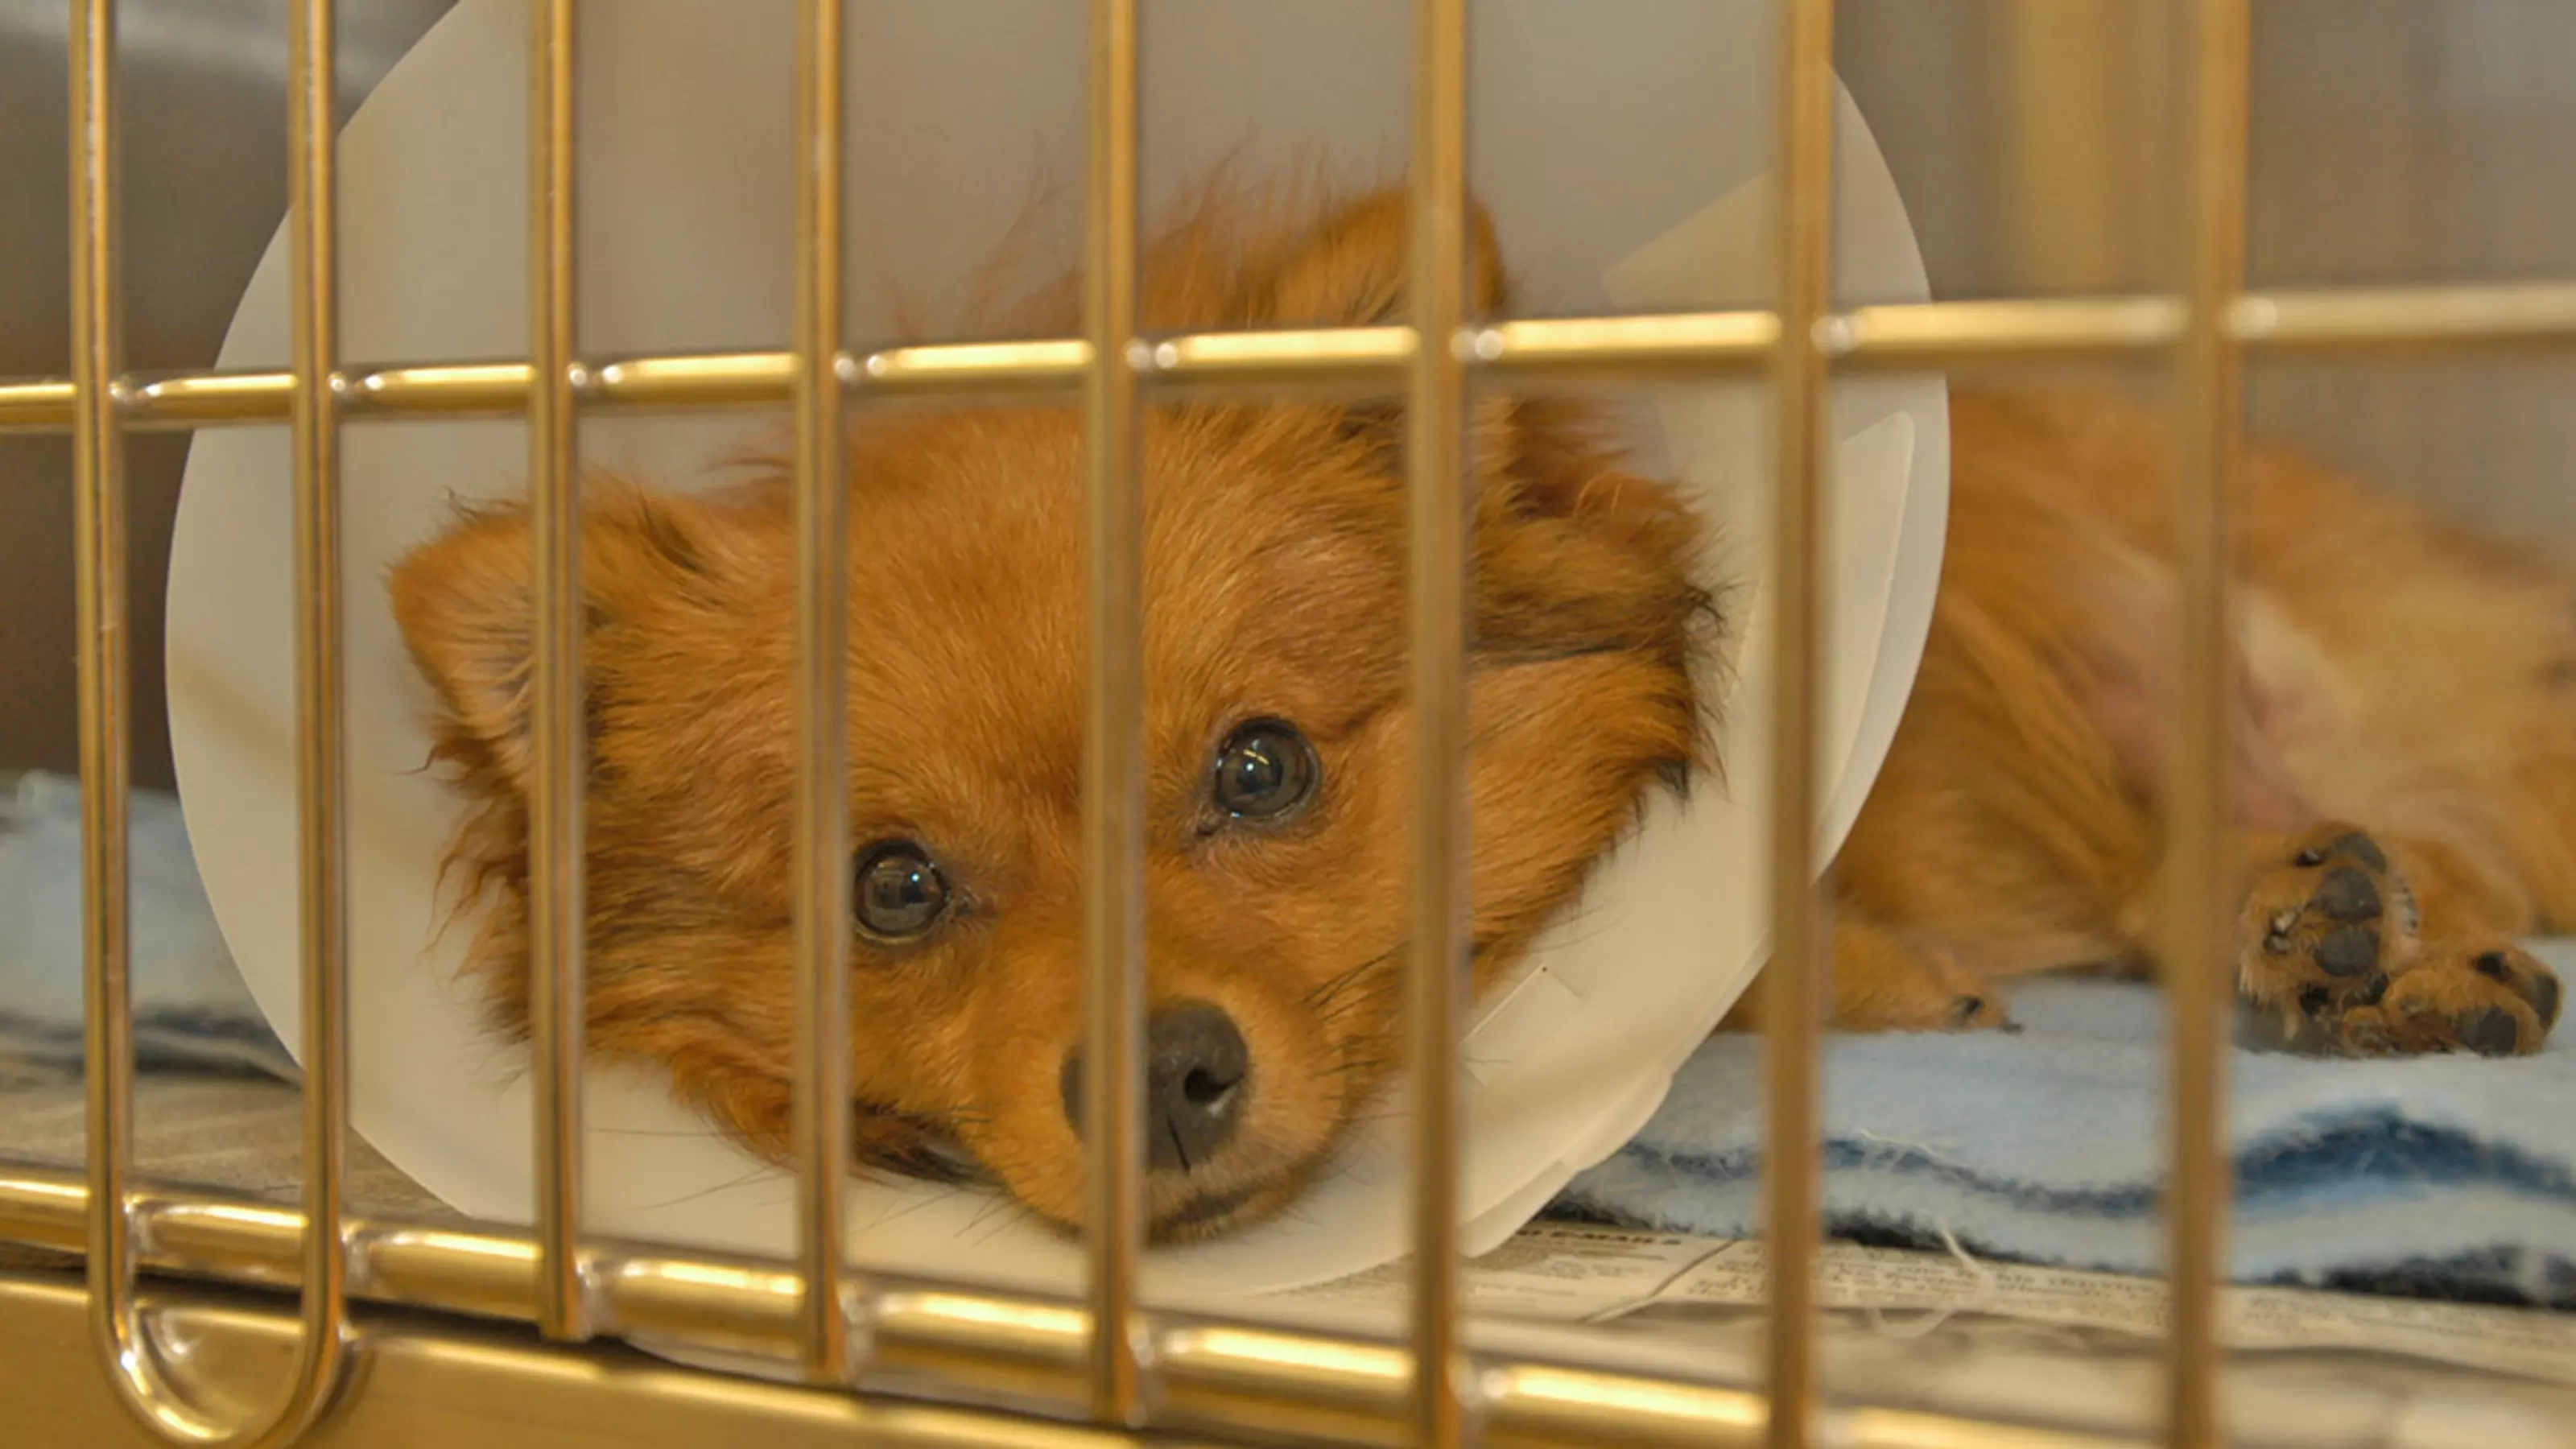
(1278,743)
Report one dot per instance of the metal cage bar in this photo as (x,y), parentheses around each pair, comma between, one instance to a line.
(557,760)
(1436,463)
(1092,1356)
(2210,401)
(1900,337)
(134,1361)
(822,801)
(1801,930)
(321,753)
(1113,786)
(1215,1377)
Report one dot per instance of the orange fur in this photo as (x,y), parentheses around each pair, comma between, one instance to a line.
(2013,830)
(1275,570)
(2406,677)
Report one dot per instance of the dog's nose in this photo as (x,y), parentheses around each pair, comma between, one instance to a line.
(1193,1084)
(1195,1063)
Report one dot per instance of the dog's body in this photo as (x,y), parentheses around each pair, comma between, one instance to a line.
(2406,750)
(2408,681)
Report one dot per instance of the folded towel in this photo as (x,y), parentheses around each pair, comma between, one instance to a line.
(2447,1176)
(191,1011)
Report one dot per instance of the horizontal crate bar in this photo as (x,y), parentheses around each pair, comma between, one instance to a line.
(1915,335)
(2406,318)
(1374,357)
(1905,336)
(445,1381)
(1625,346)
(44,405)
(965,369)
(1213,1374)
(434,389)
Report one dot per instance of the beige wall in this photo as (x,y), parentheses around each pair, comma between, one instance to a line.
(2395,141)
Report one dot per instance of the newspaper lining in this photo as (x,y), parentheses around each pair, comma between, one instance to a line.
(1565,1273)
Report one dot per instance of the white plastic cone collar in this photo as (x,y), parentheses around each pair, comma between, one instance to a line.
(1623,166)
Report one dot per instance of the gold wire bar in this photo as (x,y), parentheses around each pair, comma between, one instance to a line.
(1801,931)
(100,541)
(1437,460)
(822,805)
(99,531)
(1345,356)
(210,397)
(1220,1376)
(1113,759)
(557,921)
(714,379)
(444,389)
(973,369)
(30,405)
(1916,335)
(2416,318)
(2211,402)
(1911,336)
(134,1364)
(321,752)
(1689,343)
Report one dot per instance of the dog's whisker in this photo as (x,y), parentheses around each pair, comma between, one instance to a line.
(937,1197)
(1356,975)
(755,1175)
(999,1202)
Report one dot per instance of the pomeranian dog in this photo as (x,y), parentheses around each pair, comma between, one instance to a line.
(2406,745)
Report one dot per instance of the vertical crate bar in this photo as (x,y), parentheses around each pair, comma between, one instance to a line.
(105,699)
(822,807)
(1113,793)
(134,1364)
(1437,457)
(1801,931)
(320,713)
(98,523)
(556,905)
(2211,402)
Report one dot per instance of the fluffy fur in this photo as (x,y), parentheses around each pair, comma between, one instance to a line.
(2408,739)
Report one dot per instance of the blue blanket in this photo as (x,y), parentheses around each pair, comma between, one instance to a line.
(191,1011)
(2452,1176)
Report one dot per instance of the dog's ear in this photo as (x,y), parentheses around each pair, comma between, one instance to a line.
(1351,268)
(465,603)
(1574,555)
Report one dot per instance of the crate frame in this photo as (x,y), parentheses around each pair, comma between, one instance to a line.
(1104,1359)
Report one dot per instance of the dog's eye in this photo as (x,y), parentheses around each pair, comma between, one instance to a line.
(1264,770)
(898,892)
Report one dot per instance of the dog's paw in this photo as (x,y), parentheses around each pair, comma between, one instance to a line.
(2495,1001)
(2325,925)
(1981,1013)
(1883,984)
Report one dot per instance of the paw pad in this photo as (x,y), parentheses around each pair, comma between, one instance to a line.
(2325,914)
(2496,1003)
(2347,951)
(2491,1032)
(2346,895)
